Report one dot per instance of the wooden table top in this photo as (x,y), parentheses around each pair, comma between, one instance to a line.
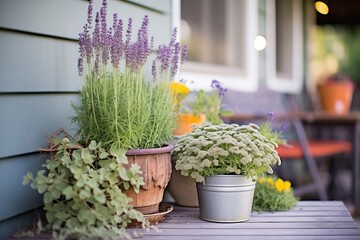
(308,220)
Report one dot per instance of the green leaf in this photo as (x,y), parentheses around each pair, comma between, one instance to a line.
(41,188)
(93,146)
(84,214)
(99,196)
(55,193)
(68,192)
(119,154)
(126,185)
(123,174)
(48,198)
(104,155)
(65,160)
(27,178)
(50,216)
(113,165)
(87,156)
(62,215)
(105,163)
(85,193)
(92,183)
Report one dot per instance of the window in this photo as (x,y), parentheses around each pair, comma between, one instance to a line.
(284,61)
(220,35)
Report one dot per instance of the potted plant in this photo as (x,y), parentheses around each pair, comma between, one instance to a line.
(336,94)
(273,194)
(125,108)
(225,161)
(200,107)
(195,109)
(83,190)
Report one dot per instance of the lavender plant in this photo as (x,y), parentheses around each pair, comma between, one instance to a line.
(225,149)
(123,104)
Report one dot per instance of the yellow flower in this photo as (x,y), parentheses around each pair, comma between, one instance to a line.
(287,186)
(178,88)
(261,180)
(282,186)
(179,92)
(270,180)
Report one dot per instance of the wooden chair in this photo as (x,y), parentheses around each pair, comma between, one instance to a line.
(301,147)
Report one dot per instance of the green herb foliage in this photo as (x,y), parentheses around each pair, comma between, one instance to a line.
(273,194)
(83,191)
(124,111)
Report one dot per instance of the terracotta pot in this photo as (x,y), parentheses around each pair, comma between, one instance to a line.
(183,189)
(155,163)
(186,123)
(335,97)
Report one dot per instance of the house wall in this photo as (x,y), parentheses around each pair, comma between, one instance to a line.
(39,80)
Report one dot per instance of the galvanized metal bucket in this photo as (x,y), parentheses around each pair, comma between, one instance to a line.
(226,198)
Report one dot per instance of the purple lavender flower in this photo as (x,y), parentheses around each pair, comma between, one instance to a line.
(184,54)
(128,32)
(153,69)
(164,54)
(175,59)
(104,43)
(173,38)
(90,10)
(142,43)
(284,125)
(115,20)
(105,38)
(271,116)
(117,44)
(87,44)
(215,84)
(80,66)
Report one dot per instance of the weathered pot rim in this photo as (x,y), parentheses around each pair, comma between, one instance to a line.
(150,151)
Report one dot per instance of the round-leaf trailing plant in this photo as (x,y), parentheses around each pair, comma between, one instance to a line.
(83,190)
(225,149)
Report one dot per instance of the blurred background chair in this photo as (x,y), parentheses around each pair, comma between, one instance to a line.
(253,107)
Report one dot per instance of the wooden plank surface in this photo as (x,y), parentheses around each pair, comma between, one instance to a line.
(308,220)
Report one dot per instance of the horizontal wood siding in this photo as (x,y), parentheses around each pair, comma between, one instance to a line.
(30,118)
(39,79)
(17,198)
(23,69)
(65,18)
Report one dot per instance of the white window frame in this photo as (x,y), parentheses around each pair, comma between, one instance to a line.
(202,74)
(278,81)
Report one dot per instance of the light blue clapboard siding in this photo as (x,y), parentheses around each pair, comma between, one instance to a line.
(66,18)
(160,5)
(31,63)
(16,198)
(27,118)
(38,80)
